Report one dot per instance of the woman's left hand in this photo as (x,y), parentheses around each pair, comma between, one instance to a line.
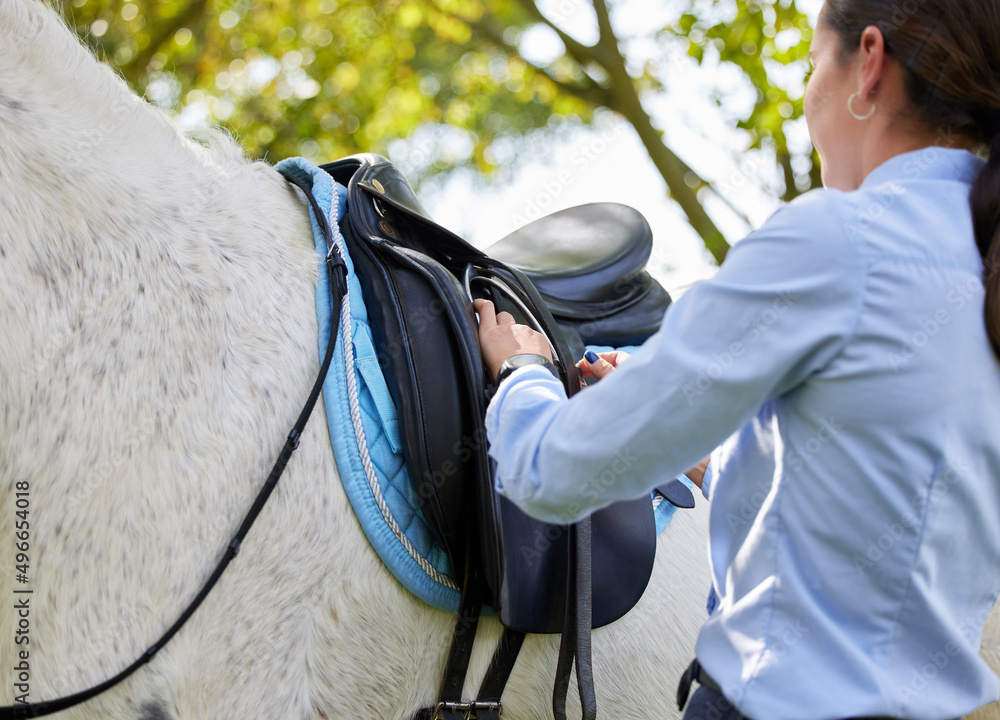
(500,337)
(603,364)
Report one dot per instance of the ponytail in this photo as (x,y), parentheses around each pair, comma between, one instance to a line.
(985,203)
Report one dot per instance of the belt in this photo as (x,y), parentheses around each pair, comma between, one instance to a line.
(694,672)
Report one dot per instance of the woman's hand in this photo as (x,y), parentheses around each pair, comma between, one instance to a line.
(599,366)
(500,337)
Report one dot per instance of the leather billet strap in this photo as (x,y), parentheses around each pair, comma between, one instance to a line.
(338,283)
(462,641)
(575,644)
(491,691)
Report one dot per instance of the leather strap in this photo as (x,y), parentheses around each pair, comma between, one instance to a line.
(694,672)
(677,494)
(462,641)
(488,705)
(450,705)
(575,643)
(501,666)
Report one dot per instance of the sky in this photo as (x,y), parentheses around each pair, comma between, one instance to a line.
(607,163)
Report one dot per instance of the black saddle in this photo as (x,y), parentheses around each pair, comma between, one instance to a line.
(419,281)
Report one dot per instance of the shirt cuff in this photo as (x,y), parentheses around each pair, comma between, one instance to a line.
(535,376)
(706,482)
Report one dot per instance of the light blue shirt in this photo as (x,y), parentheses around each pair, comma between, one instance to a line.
(839,367)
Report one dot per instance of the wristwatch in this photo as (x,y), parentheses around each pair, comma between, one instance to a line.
(519,361)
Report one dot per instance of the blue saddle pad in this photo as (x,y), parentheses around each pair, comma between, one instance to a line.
(364,425)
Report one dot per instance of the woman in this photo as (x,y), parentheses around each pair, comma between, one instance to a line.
(841,358)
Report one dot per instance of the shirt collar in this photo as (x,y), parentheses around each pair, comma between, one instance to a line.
(931,163)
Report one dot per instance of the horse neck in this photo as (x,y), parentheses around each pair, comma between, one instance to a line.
(156,298)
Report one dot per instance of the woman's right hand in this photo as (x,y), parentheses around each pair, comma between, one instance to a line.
(604,365)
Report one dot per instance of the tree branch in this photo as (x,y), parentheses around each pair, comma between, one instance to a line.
(626,101)
(623,98)
(604,22)
(785,161)
(577,50)
(488,28)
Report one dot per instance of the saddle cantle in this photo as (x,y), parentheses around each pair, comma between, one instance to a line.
(418,281)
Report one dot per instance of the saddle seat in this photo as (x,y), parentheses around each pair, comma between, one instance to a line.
(582,254)
(588,264)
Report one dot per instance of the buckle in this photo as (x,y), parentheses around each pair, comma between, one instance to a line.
(470,710)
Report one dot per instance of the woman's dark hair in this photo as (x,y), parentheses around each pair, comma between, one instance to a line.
(950,53)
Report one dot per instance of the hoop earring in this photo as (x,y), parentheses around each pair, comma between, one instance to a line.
(850,109)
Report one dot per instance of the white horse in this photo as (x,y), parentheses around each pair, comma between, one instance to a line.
(158,336)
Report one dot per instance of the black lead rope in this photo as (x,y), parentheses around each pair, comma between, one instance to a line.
(338,283)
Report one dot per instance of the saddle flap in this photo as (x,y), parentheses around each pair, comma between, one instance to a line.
(529,564)
(429,351)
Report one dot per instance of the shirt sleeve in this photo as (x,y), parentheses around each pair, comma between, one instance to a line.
(783,304)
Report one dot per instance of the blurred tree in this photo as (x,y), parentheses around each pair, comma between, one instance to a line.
(326,78)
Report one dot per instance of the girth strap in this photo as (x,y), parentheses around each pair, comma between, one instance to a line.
(575,644)
(500,667)
(487,706)
(461,646)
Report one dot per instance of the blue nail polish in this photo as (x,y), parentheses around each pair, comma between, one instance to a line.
(591,357)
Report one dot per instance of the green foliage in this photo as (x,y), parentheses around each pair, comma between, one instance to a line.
(763,38)
(326,78)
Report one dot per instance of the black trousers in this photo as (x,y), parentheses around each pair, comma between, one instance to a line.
(707,704)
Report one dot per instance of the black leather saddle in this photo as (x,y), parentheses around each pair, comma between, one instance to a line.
(419,280)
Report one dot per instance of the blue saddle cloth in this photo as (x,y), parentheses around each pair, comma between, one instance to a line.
(364,425)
